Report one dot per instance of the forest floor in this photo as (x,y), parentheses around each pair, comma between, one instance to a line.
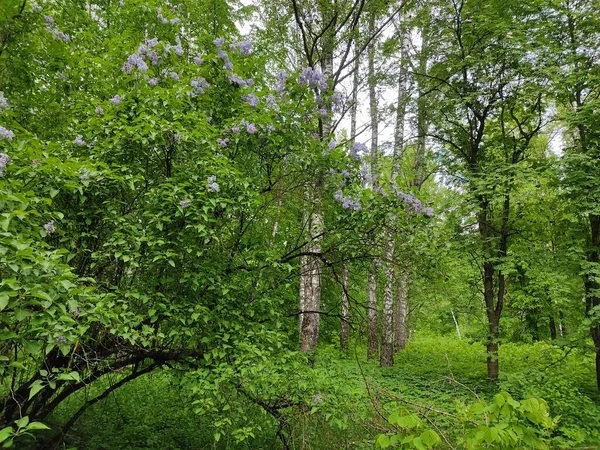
(430,375)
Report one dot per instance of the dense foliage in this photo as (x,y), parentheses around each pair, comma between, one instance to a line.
(190,212)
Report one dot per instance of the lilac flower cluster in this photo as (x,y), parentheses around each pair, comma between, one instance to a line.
(153,81)
(185,203)
(281,79)
(3,163)
(312,77)
(99,110)
(3,102)
(55,32)
(115,100)
(178,49)
(337,102)
(198,60)
(251,128)
(212,184)
(79,140)
(6,133)
(164,19)
(35,7)
(357,149)
(251,99)
(223,142)
(236,79)
(347,203)
(199,85)
(414,204)
(135,60)
(49,227)
(271,102)
(244,47)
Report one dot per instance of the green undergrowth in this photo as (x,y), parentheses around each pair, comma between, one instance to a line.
(430,378)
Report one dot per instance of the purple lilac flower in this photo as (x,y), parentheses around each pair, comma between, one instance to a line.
(197,60)
(49,20)
(115,100)
(345,173)
(235,129)
(152,42)
(3,102)
(49,227)
(244,47)
(79,140)
(199,85)
(339,195)
(6,133)
(154,58)
(212,184)
(3,163)
(153,81)
(219,42)
(323,112)
(332,144)
(174,75)
(184,203)
(35,7)
(312,77)
(178,49)
(235,79)
(337,102)
(228,66)
(222,142)
(281,78)
(251,99)
(270,127)
(348,203)
(99,110)
(251,128)
(59,35)
(175,21)
(143,48)
(428,212)
(223,55)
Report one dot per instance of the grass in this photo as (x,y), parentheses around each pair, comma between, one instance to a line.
(151,412)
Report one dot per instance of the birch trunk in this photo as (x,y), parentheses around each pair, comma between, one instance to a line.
(372,344)
(401,312)
(386,357)
(345,331)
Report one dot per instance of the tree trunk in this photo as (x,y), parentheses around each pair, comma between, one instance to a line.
(386,357)
(552,328)
(456,325)
(372,343)
(309,330)
(592,286)
(401,312)
(422,123)
(345,330)
(492,352)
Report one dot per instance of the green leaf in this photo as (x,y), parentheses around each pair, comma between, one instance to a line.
(3,301)
(5,433)
(383,441)
(22,422)
(35,387)
(38,426)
